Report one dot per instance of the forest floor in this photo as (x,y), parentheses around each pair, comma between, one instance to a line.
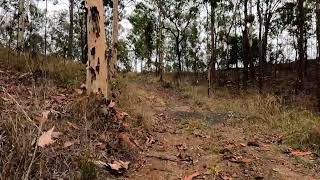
(178,134)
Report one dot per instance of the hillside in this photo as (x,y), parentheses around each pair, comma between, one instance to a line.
(163,131)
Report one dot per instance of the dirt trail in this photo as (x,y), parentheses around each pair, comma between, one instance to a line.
(189,139)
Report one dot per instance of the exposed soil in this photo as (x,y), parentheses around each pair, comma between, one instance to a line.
(185,138)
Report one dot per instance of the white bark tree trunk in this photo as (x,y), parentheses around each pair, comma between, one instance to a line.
(115,36)
(21,25)
(97,70)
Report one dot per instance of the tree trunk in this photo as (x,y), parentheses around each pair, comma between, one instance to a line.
(261,76)
(115,36)
(299,84)
(250,41)
(213,59)
(161,65)
(246,46)
(21,25)
(318,57)
(97,70)
(70,43)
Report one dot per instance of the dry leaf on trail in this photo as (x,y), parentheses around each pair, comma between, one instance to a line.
(243,145)
(79,91)
(70,143)
(72,125)
(112,104)
(300,154)
(44,117)
(129,140)
(121,115)
(46,138)
(100,164)
(119,165)
(190,177)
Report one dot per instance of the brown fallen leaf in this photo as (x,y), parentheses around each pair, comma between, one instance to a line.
(70,143)
(79,91)
(44,117)
(46,138)
(118,165)
(72,125)
(300,154)
(112,104)
(129,140)
(243,145)
(190,177)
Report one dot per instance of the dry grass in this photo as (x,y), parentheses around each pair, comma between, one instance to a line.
(64,72)
(267,113)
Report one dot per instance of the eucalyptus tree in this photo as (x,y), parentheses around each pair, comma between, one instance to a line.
(177,18)
(97,70)
(143,35)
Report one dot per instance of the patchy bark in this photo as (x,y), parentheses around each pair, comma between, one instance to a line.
(21,25)
(97,70)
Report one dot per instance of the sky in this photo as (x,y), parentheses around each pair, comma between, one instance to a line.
(54,6)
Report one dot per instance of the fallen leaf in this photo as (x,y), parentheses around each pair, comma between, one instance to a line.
(118,165)
(243,145)
(72,125)
(70,143)
(46,138)
(83,87)
(129,140)
(79,91)
(44,117)
(111,104)
(101,146)
(100,164)
(190,177)
(300,154)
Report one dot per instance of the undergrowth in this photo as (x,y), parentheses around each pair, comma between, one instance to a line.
(64,72)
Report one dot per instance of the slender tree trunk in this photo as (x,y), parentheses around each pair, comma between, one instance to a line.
(261,76)
(70,45)
(81,17)
(115,36)
(300,66)
(161,41)
(45,30)
(246,45)
(250,42)
(97,70)
(21,25)
(305,70)
(213,59)
(318,57)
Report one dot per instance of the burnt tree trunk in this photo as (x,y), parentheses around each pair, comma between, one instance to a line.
(97,70)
